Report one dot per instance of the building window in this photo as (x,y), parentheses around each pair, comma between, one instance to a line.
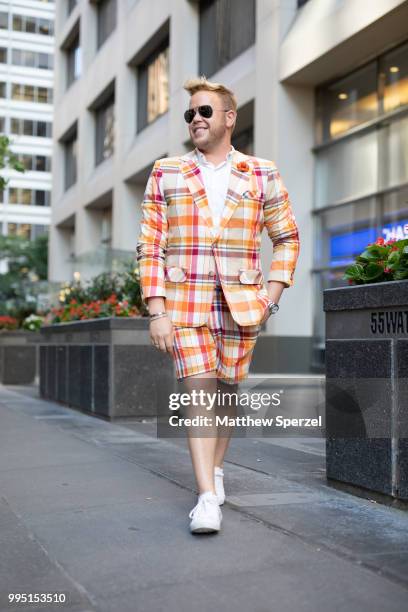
(31,197)
(106,19)
(244,141)
(301,2)
(105,130)
(361,168)
(39,163)
(33,25)
(73,60)
(31,93)
(346,103)
(71,5)
(70,152)
(3,90)
(394,79)
(28,127)
(3,55)
(226,30)
(3,21)
(153,87)
(26,230)
(32,59)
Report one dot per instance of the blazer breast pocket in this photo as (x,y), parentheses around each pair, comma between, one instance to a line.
(257,196)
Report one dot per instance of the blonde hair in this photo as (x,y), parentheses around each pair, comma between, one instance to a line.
(201,84)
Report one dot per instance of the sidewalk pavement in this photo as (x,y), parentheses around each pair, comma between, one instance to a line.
(99,511)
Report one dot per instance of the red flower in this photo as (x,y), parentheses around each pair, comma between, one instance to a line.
(391,240)
(394,248)
(243,166)
(379,240)
(350,281)
(387,270)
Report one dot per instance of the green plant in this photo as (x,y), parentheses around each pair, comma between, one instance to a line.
(7,322)
(380,261)
(8,159)
(107,294)
(33,322)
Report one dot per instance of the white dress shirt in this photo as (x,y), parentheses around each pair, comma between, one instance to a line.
(216,179)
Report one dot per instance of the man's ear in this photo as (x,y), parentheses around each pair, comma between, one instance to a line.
(231,118)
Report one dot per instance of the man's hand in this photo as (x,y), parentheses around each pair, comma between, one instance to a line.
(161,334)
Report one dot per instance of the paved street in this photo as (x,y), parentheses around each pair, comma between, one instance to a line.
(99,511)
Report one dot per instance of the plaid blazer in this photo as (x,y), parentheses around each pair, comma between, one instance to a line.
(179,250)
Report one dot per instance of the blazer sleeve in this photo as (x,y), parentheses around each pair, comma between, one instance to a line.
(281,226)
(152,242)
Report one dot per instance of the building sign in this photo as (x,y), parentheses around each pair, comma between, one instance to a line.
(344,247)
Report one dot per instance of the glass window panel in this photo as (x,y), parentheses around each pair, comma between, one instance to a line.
(347,103)
(394,168)
(226,30)
(40,163)
(39,197)
(157,86)
(344,232)
(105,132)
(12,229)
(347,169)
(3,55)
(25,196)
(29,93)
(395,215)
(27,127)
(106,20)
(13,195)
(17,23)
(16,91)
(44,61)
(3,21)
(394,78)
(30,25)
(70,163)
(2,89)
(45,27)
(15,126)
(42,94)
(41,129)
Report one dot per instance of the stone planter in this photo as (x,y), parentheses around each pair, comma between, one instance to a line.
(106,367)
(18,357)
(366,387)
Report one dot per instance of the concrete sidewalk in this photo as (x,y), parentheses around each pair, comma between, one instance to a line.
(99,512)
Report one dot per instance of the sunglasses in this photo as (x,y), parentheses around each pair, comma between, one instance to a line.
(205,111)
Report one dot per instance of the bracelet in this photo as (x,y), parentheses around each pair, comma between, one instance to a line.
(158,315)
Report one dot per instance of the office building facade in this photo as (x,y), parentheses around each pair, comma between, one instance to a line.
(326,103)
(26,113)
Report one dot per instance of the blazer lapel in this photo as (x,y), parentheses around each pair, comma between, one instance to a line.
(194,181)
(237,185)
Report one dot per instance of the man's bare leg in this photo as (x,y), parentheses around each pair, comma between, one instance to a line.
(202,449)
(225,408)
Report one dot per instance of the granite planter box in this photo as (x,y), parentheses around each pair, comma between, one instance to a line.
(366,387)
(18,357)
(106,367)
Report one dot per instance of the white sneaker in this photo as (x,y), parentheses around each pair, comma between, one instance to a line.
(206,515)
(219,484)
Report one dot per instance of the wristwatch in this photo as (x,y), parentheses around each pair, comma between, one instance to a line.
(273,307)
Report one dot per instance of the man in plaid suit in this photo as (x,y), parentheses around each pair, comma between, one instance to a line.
(200,268)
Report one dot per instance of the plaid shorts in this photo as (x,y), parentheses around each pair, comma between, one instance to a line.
(221,345)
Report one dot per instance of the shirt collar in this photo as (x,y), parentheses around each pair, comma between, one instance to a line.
(202,159)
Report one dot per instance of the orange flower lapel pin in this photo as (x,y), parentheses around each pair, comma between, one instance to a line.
(243,166)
